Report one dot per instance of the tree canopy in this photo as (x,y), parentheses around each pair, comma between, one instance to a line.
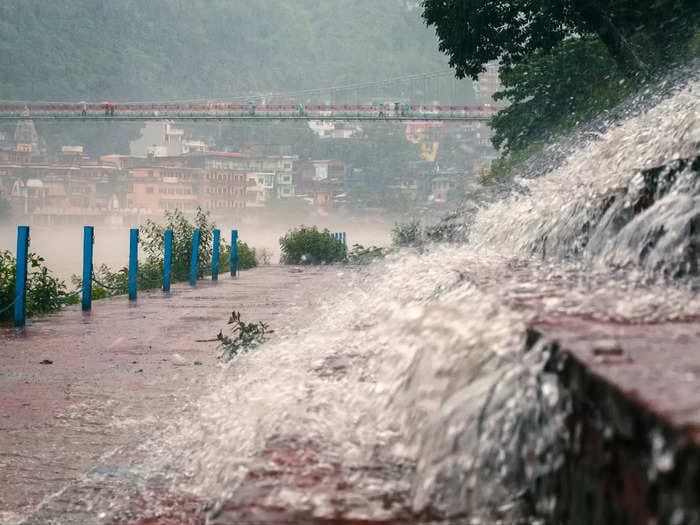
(550,92)
(637,33)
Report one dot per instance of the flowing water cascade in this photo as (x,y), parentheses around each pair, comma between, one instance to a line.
(417,391)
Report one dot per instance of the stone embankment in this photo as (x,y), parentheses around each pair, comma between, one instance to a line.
(634,455)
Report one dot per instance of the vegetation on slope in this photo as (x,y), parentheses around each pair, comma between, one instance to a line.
(563,62)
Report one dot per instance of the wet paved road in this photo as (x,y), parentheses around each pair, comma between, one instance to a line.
(71,429)
(119,371)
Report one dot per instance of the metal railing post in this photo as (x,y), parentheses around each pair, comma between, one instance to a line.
(215,256)
(167,260)
(234,252)
(88,242)
(194,258)
(21,275)
(133,262)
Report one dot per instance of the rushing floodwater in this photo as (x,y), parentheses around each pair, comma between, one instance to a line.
(411,393)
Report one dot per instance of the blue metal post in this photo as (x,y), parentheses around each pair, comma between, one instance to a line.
(88,241)
(194,258)
(234,252)
(133,262)
(167,260)
(21,275)
(215,256)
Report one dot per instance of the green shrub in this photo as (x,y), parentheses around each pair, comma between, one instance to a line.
(152,241)
(361,255)
(308,245)
(247,258)
(45,292)
(107,283)
(406,234)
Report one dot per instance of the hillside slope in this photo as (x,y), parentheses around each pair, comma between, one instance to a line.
(162,49)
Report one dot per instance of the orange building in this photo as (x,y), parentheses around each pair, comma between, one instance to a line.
(153,191)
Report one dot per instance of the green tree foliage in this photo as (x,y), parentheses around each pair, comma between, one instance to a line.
(152,242)
(247,258)
(550,92)
(637,33)
(45,292)
(309,245)
(561,63)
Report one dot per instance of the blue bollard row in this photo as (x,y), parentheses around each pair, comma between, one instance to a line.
(133,262)
(21,275)
(21,272)
(194,258)
(234,253)
(167,260)
(86,290)
(340,236)
(215,256)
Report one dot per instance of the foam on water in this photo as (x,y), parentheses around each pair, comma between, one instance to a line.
(552,213)
(414,380)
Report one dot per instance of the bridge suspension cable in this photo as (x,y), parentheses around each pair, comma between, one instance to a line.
(256,96)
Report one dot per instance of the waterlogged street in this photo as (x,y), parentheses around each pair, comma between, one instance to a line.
(377,403)
(545,364)
(469,243)
(118,373)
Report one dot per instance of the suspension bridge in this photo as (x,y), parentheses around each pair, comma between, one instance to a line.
(429,96)
(113,111)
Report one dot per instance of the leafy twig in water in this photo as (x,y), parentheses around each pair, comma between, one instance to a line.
(244,336)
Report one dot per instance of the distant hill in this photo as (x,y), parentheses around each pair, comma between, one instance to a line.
(169,49)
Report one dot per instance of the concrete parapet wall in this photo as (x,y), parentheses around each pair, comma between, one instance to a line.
(634,451)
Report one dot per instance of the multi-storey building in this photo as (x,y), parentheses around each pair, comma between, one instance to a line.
(59,194)
(281,166)
(158,189)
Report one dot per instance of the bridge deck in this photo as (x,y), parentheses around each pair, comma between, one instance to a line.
(141,112)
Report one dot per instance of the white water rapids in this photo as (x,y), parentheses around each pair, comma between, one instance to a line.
(412,384)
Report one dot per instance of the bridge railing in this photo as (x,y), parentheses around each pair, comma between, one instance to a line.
(109,110)
(19,304)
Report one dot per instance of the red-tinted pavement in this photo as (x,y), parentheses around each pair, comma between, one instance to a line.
(654,365)
(635,420)
(119,370)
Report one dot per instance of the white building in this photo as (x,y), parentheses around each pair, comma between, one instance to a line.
(162,139)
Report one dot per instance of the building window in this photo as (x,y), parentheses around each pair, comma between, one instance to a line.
(149,189)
